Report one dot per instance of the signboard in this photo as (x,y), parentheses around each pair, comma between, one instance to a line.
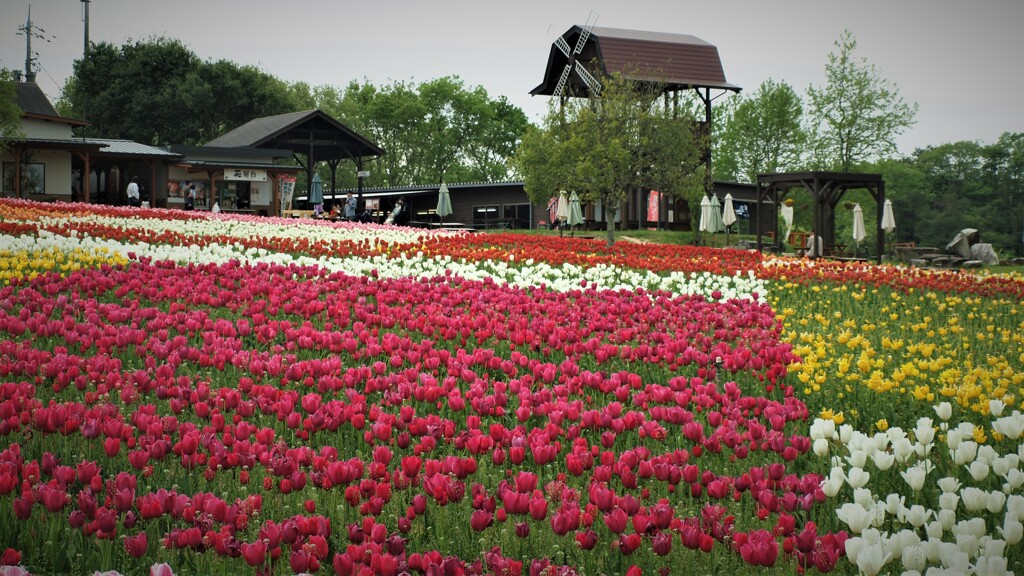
(248,174)
(287,190)
(363,174)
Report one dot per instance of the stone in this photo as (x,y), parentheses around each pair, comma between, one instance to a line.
(985,253)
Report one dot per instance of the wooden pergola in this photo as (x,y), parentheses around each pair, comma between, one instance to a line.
(826,189)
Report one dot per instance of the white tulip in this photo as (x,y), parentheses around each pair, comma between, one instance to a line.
(857,458)
(953,439)
(1015,478)
(968,544)
(974,498)
(987,454)
(992,566)
(992,546)
(855,516)
(1015,506)
(978,470)
(965,452)
(914,558)
(863,497)
(902,449)
(916,515)
(883,460)
(901,540)
(949,501)
(996,500)
(944,410)
(932,548)
(949,484)
(925,431)
(893,503)
(880,441)
(914,477)
(1001,466)
(857,477)
(934,529)
(947,518)
(845,433)
(952,558)
(878,512)
(974,526)
(1012,531)
(871,559)
(895,433)
(1010,426)
(966,430)
(995,407)
(820,447)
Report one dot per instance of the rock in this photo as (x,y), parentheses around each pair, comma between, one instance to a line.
(972,264)
(985,253)
(918,262)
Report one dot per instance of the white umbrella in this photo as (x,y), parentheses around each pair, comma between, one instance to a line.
(859,233)
(888,219)
(563,210)
(728,212)
(444,202)
(728,216)
(705,214)
(787,217)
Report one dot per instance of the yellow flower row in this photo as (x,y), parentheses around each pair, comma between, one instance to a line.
(28,264)
(883,351)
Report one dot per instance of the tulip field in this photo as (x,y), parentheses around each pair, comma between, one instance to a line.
(191,393)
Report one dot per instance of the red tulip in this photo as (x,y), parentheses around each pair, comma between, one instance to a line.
(136,545)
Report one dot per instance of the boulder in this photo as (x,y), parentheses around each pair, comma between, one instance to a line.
(985,253)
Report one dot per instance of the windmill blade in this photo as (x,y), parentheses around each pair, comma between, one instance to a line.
(588,79)
(587,28)
(562,80)
(563,46)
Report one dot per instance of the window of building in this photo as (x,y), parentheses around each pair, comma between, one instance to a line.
(486,217)
(516,216)
(33,178)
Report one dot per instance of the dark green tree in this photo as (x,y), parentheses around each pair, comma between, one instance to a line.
(10,113)
(857,115)
(607,145)
(762,133)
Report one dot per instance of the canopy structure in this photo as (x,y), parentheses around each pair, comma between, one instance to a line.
(312,133)
(826,189)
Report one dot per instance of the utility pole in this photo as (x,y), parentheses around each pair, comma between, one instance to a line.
(30,30)
(85,18)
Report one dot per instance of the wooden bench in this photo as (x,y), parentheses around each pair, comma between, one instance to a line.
(296,213)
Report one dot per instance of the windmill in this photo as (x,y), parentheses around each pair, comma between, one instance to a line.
(573,63)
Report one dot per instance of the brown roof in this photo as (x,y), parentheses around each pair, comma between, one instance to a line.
(679,61)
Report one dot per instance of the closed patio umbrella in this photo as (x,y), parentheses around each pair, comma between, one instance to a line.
(717,224)
(859,233)
(705,214)
(575,212)
(316,194)
(728,216)
(444,202)
(888,218)
(563,211)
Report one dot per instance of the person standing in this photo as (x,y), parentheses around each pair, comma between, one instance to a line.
(349,209)
(190,199)
(814,245)
(133,192)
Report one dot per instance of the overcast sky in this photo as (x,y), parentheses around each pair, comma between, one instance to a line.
(960,61)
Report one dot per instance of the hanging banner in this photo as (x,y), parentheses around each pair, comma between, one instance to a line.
(287,191)
(653,203)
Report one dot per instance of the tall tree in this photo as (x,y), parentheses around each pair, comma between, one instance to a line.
(158,92)
(857,115)
(762,134)
(10,113)
(433,131)
(608,145)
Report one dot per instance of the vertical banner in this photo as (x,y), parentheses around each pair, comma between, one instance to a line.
(653,203)
(287,191)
